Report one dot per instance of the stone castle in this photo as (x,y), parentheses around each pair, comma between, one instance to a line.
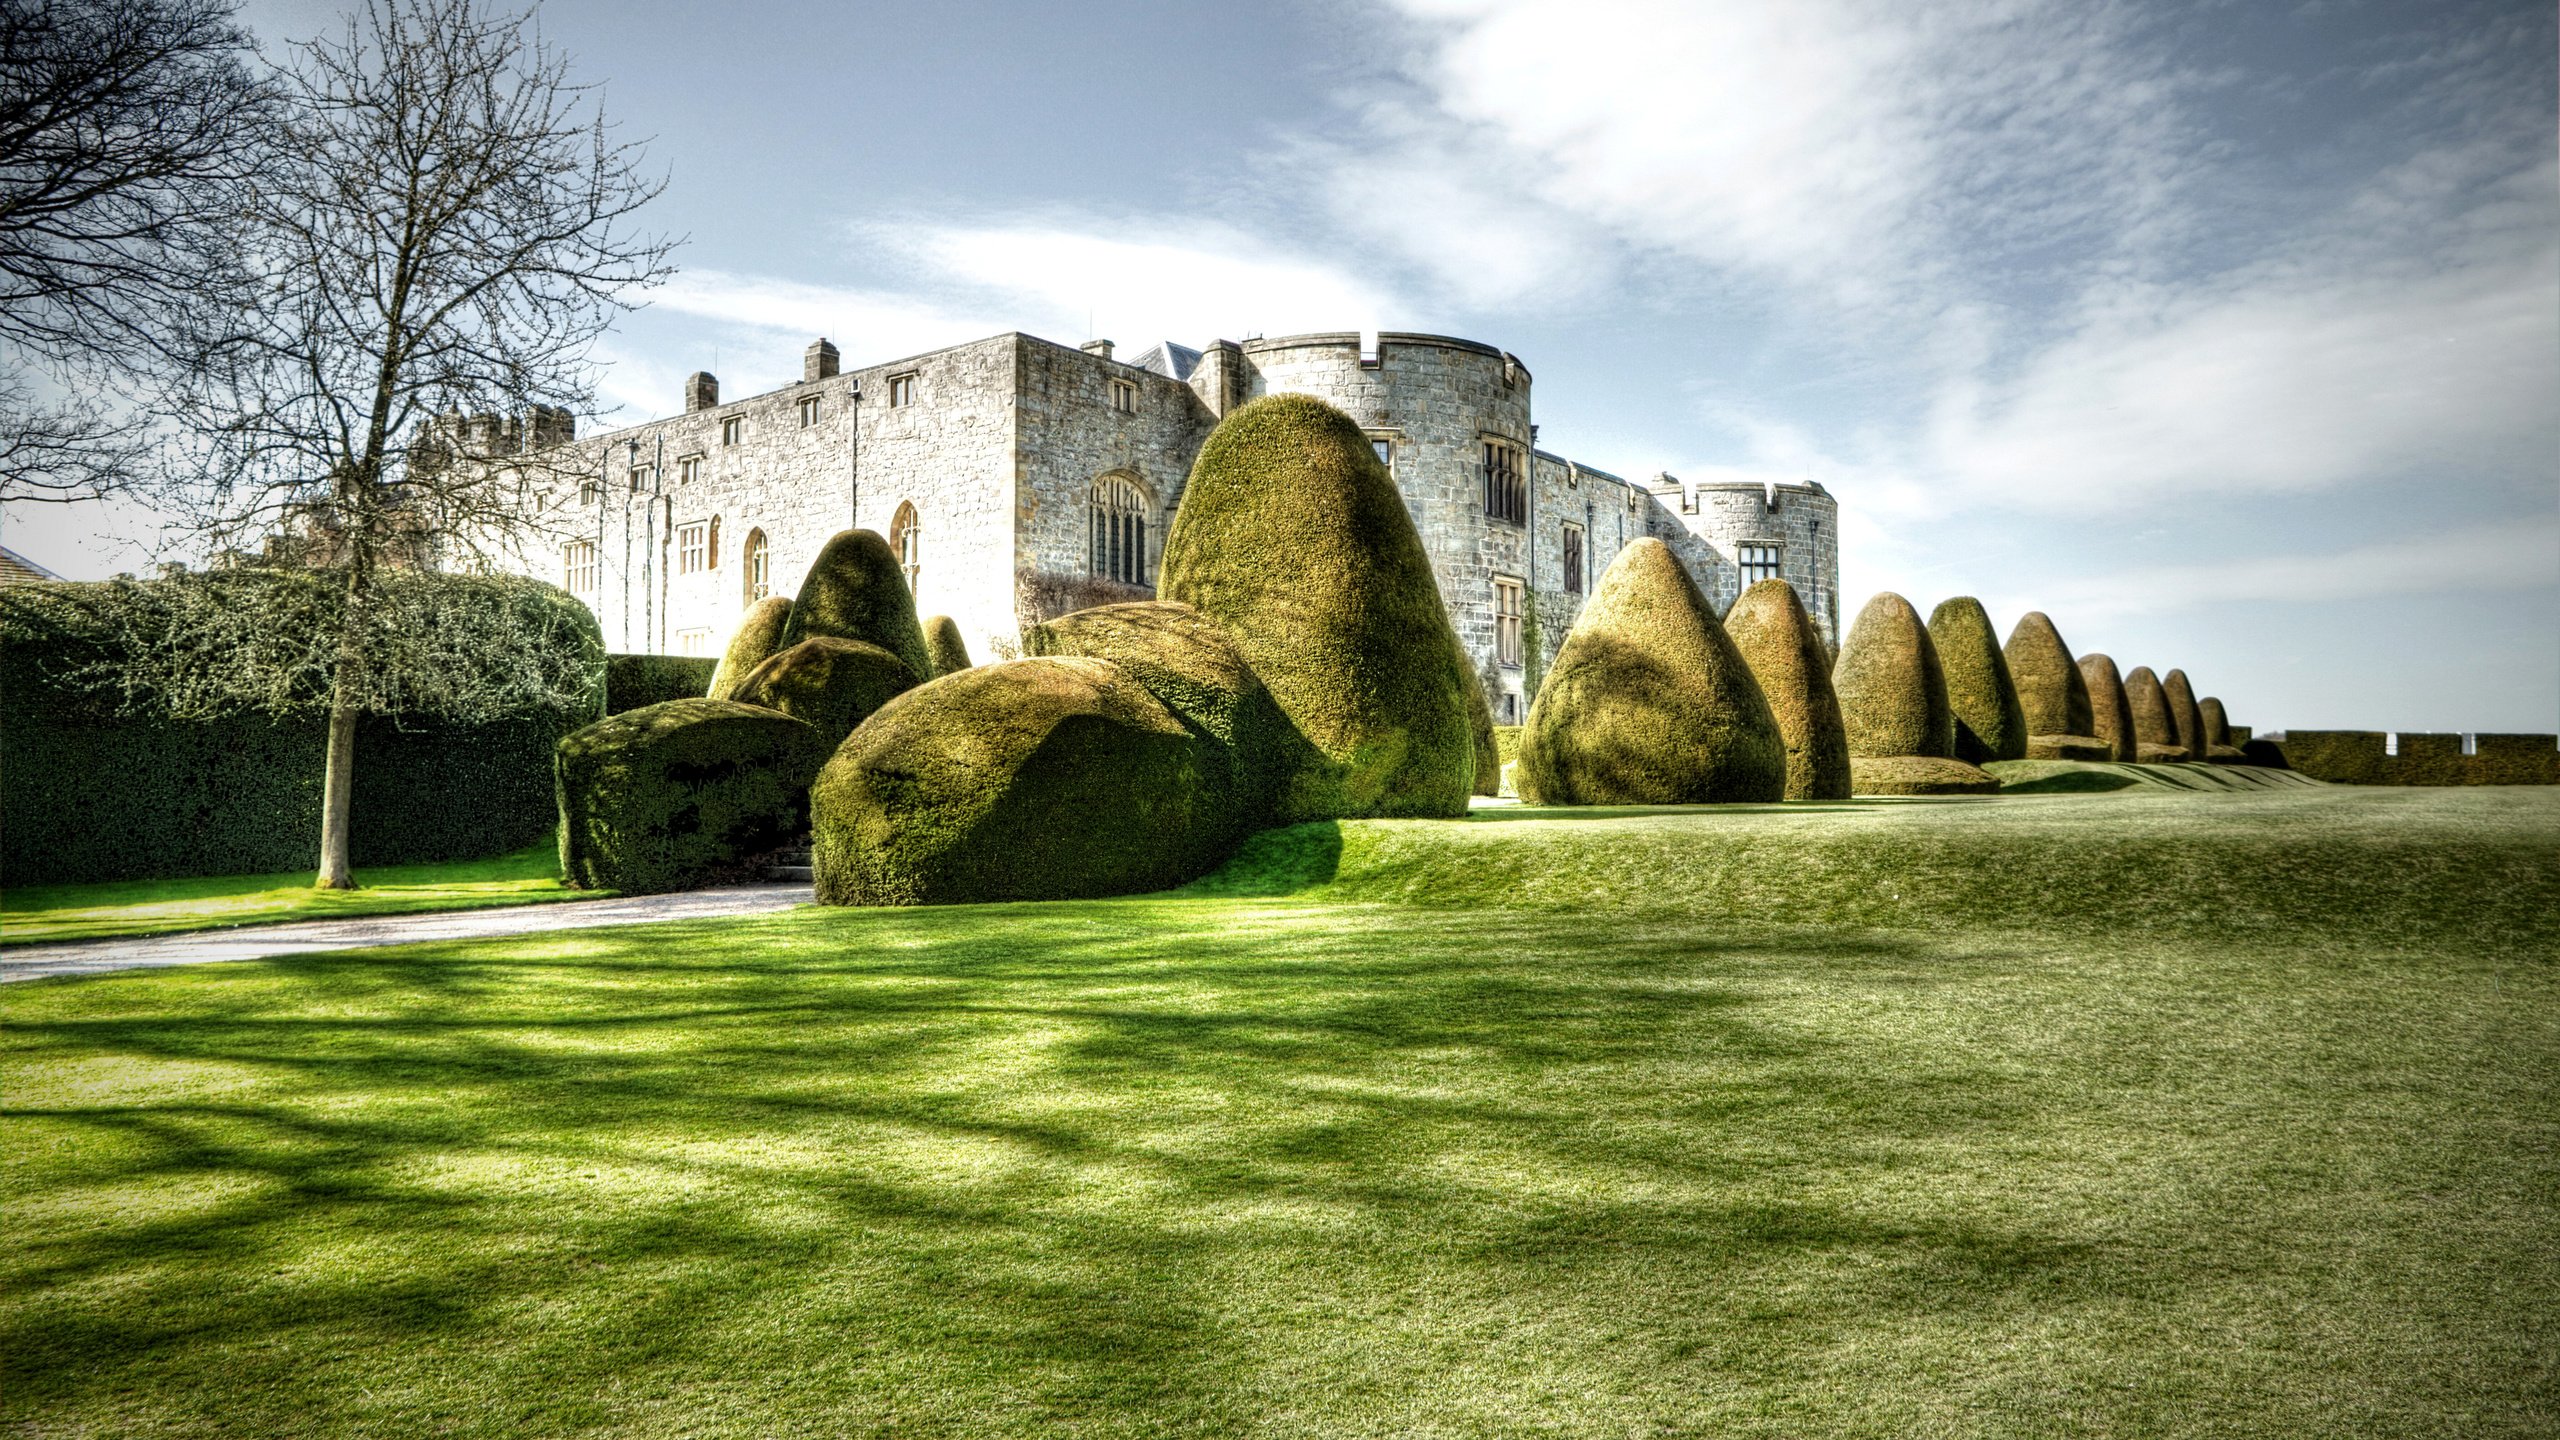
(1017,477)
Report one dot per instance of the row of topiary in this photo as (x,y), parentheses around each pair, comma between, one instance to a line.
(1299,667)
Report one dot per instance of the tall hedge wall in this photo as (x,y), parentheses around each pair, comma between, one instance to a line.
(88,793)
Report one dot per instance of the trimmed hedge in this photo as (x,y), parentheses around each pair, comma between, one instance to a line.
(1190,663)
(1918,775)
(1893,696)
(1295,538)
(2217,721)
(1990,723)
(1648,702)
(2186,718)
(2052,693)
(1042,779)
(90,794)
(2110,711)
(634,682)
(1480,729)
(1778,641)
(758,639)
(833,685)
(855,591)
(944,647)
(2155,730)
(681,793)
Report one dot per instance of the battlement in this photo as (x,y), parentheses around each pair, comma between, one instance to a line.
(2376,757)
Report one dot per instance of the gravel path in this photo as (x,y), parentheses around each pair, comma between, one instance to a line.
(97,957)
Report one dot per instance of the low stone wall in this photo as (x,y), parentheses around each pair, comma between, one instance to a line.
(2367,757)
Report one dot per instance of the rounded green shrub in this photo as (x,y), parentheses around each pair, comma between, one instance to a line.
(855,591)
(2052,693)
(2110,712)
(1190,663)
(678,794)
(631,681)
(1480,728)
(1778,641)
(1990,723)
(1041,779)
(2186,720)
(1918,775)
(2217,721)
(832,684)
(2155,734)
(1893,696)
(942,643)
(1648,702)
(759,637)
(1293,536)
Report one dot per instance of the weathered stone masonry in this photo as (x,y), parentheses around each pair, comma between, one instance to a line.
(985,460)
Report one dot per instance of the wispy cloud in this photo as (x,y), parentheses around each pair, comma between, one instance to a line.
(2521,554)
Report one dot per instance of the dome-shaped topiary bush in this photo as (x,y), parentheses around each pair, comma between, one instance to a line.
(1190,662)
(1038,779)
(943,645)
(2110,711)
(1778,641)
(2052,694)
(2220,745)
(2186,719)
(1893,696)
(758,639)
(2155,733)
(1990,724)
(1648,703)
(855,591)
(672,795)
(1292,535)
(832,684)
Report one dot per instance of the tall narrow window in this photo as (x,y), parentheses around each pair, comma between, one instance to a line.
(1506,622)
(1124,396)
(906,536)
(759,567)
(693,642)
(1506,486)
(1386,449)
(693,547)
(591,492)
(688,469)
(733,429)
(1120,511)
(578,562)
(644,478)
(809,407)
(902,391)
(1573,559)
(1758,562)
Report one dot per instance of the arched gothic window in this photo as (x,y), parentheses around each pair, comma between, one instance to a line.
(759,567)
(1120,530)
(905,535)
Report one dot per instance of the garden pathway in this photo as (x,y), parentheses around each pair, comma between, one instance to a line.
(257,942)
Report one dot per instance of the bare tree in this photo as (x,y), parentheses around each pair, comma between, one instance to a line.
(125,126)
(445,229)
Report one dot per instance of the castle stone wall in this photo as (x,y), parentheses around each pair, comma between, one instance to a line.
(1071,437)
(951,454)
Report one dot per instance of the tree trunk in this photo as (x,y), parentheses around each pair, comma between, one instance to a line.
(337,800)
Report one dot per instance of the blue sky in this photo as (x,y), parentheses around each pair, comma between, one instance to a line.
(2226,333)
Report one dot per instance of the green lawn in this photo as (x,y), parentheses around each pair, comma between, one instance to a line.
(33,913)
(2141,1114)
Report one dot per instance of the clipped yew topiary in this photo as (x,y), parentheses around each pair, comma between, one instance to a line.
(2186,720)
(2052,694)
(759,637)
(1990,723)
(1648,702)
(855,591)
(2109,709)
(1190,662)
(676,794)
(1786,655)
(1292,535)
(1480,728)
(832,684)
(1893,696)
(2155,734)
(943,645)
(1034,779)
(2220,745)
(1918,775)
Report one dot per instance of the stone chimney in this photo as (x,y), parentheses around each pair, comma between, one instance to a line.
(1098,347)
(819,361)
(702,391)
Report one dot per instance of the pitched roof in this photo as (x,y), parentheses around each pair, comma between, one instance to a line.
(17,569)
(1167,358)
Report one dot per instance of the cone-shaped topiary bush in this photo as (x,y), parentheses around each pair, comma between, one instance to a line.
(2186,720)
(2155,734)
(1480,730)
(1777,640)
(1190,662)
(1292,535)
(1990,724)
(672,795)
(2220,746)
(2052,693)
(832,684)
(943,645)
(1893,697)
(1036,779)
(2110,711)
(759,637)
(855,591)
(1648,703)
